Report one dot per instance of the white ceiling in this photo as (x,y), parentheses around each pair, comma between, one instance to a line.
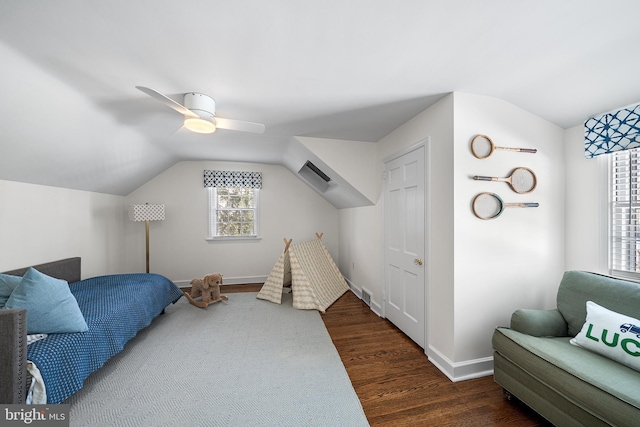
(343,69)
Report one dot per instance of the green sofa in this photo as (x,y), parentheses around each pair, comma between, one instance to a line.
(566,384)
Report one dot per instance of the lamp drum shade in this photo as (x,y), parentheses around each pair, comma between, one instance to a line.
(146,212)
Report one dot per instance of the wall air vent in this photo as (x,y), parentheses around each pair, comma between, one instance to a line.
(314,176)
(317,171)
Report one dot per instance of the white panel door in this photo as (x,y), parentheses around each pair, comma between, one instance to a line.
(404,200)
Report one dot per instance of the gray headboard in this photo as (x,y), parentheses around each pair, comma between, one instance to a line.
(13,329)
(68,269)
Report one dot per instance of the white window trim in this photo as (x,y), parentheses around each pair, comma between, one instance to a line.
(604,171)
(605,166)
(210,216)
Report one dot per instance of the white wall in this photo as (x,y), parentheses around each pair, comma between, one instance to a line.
(583,207)
(40,224)
(478,272)
(355,161)
(179,249)
(360,251)
(436,123)
(360,244)
(361,229)
(516,260)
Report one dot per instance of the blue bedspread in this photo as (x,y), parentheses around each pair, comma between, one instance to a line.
(115,308)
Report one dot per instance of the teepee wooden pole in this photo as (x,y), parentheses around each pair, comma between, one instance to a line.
(286,243)
(319,235)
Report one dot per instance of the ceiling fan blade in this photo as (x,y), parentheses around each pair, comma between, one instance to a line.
(239,125)
(167,101)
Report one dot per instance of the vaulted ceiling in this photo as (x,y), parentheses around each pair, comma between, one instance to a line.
(343,69)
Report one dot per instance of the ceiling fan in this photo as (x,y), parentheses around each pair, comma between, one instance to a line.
(200,113)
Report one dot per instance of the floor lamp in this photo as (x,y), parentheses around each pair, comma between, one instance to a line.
(146,213)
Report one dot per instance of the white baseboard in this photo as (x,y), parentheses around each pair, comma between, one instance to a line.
(461,371)
(227,281)
(356,290)
(458,371)
(376,308)
(373,305)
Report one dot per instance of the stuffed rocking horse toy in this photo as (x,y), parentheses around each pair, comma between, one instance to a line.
(208,288)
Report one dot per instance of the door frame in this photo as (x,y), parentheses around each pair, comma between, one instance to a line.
(426,143)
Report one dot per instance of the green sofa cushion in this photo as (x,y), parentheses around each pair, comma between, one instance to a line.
(597,384)
(539,323)
(578,287)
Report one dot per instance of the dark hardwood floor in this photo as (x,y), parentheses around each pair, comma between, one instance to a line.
(398,386)
(251,287)
(395,382)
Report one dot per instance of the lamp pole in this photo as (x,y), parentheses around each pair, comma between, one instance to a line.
(146,213)
(146,228)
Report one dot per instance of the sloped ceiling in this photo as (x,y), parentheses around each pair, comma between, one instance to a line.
(348,70)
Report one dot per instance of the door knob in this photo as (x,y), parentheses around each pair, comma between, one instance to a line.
(417,261)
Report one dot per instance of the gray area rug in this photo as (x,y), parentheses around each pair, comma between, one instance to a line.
(241,362)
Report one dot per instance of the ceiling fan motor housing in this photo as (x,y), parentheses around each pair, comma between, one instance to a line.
(202,105)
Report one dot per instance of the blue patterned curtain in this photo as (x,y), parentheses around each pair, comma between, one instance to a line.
(615,131)
(232,179)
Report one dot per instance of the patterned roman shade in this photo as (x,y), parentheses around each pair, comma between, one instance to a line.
(232,179)
(615,131)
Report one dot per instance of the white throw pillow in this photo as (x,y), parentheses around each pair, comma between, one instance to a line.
(610,334)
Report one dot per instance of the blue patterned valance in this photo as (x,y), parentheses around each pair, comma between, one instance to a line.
(616,131)
(233,179)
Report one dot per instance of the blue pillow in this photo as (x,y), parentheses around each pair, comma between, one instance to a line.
(51,308)
(7,284)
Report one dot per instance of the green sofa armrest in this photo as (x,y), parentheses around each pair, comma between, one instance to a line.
(539,323)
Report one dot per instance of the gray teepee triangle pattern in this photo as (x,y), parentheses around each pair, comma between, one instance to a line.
(280,275)
(316,281)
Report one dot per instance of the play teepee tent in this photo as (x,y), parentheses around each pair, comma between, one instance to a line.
(315,280)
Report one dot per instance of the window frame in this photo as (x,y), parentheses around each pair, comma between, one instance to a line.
(611,204)
(212,214)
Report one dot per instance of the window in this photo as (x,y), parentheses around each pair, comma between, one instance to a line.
(624,214)
(233,212)
(233,203)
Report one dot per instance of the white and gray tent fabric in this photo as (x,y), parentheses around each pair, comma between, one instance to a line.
(315,280)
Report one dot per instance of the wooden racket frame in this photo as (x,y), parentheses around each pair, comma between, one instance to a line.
(503,205)
(494,147)
(509,179)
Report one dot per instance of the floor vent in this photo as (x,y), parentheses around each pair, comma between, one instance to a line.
(366,297)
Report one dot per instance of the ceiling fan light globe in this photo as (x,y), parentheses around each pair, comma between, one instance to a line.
(199,125)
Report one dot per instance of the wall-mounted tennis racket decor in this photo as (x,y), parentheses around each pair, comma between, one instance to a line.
(521,180)
(491,206)
(482,147)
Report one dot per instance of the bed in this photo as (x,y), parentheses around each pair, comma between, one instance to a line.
(53,368)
